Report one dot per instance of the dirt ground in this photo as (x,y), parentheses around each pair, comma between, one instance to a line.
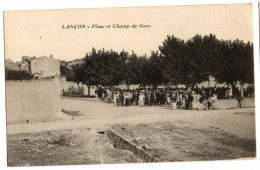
(169,135)
(66,147)
(185,141)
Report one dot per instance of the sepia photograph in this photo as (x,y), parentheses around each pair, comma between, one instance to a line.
(129,85)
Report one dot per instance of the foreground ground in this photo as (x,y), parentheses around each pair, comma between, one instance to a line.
(64,147)
(184,141)
(169,135)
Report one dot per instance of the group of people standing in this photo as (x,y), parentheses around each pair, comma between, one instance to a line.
(178,99)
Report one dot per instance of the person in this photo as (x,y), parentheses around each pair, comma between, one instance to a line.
(210,102)
(190,101)
(226,93)
(168,99)
(214,99)
(121,98)
(127,98)
(162,97)
(174,102)
(196,103)
(96,93)
(179,101)
(158,97)
(152,98)
(115,98)
(141,99)
(186,101)
(137,97)
(133,98)
(239,100)
(230,93)
(103,96)
(109,97)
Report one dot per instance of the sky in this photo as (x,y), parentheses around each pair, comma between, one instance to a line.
(39,33)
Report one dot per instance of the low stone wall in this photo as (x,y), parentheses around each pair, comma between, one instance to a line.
(121,143)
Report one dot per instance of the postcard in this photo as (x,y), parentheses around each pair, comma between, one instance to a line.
(129,85)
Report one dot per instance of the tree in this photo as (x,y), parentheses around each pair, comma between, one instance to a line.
(176,61)
(154,70)
(106,68)
(235,63)
(64,71)
(132,70)
(87,71)
(194,61)
(110,67)
(202,52)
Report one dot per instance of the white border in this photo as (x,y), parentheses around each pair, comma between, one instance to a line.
(51,4)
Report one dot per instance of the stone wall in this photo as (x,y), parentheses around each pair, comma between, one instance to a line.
(121,143)
(32,101)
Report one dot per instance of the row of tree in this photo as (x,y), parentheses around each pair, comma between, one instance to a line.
(177,62)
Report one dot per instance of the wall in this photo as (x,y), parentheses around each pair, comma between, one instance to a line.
(121,143)
(34,100)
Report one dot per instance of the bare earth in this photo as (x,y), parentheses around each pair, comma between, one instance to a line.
(169,135)
(184,141)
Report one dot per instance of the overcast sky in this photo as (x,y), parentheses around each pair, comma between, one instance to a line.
(38,33)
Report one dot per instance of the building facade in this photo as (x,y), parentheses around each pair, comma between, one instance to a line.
(44,67)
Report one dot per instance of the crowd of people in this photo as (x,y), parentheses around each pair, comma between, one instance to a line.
(178,98)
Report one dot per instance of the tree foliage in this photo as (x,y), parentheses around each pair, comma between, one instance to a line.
(17,75)
(64,71)
(177,62)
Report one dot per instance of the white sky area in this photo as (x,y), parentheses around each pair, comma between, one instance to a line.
(39,33)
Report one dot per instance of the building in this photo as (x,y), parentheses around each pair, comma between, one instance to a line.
(27,58)
(43,67)
(9,64)
(22,66)
(18,66)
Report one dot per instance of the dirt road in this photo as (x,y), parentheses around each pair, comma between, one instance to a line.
(99,115)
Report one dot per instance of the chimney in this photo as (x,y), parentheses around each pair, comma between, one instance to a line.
(51,56)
